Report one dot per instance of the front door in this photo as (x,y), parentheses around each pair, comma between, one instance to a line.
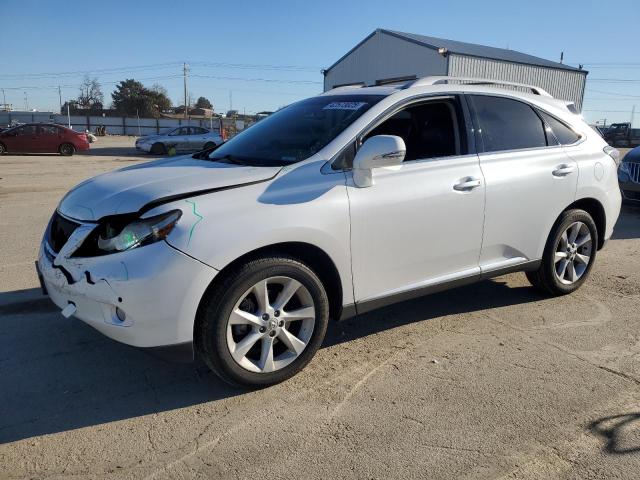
(420,224)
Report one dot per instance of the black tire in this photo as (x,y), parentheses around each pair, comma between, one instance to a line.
(67,149)
(208,145)
(158,149)
(3,149)
(219,301)
(545,278)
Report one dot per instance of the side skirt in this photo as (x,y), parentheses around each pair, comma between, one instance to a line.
(359,308)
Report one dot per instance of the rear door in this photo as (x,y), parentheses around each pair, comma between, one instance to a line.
(200,137)
(529,180)
(50,138)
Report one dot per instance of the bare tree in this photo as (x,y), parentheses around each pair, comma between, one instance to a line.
(90,94)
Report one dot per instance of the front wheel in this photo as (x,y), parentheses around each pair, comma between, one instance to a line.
(263,323)
(208,145)
(568,255)
(67,149)
(3,149)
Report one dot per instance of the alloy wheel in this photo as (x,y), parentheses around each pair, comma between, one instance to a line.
(573,253)
(271,324)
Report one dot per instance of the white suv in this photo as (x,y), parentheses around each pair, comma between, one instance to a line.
(333,206)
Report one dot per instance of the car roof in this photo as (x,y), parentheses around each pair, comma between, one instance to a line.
(448,85)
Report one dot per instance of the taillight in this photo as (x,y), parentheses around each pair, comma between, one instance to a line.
(613,153)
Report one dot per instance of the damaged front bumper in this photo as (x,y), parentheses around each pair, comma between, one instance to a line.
(144,297)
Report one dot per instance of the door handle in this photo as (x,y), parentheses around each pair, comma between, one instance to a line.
(563,170)
(467,184)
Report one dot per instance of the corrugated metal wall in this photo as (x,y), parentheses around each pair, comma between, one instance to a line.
(563,84)
(384,56)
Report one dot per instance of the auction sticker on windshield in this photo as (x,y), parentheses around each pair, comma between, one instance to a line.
(344,105)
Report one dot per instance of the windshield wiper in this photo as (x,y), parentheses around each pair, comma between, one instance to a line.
(229,159)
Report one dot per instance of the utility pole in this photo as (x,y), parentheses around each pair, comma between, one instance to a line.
(633,114)
(230,100)
(185,69)
(4,100)
(60,97)
(26,102)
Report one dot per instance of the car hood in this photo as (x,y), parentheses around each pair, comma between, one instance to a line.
(129,189)
(633,155)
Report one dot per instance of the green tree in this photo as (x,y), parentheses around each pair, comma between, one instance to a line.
(131,97)
(203,102)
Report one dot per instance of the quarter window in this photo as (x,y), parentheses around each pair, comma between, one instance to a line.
(508,124)
(564,134)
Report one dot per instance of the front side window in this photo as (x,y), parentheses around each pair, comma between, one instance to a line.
(27,130)
(429,130)
(296,132)
(563,133)
(507,124)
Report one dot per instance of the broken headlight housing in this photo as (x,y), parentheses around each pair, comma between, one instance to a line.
(140,232)
(120,233)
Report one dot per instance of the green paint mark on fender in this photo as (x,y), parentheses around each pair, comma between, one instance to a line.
(200,218)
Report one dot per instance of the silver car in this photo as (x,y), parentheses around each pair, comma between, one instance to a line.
(182,139)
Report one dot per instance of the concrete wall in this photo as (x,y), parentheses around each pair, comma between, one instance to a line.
(563,84)
(384,56)
(114,125)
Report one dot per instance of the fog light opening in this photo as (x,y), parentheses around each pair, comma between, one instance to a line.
(120,314)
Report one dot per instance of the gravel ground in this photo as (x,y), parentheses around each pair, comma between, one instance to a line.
(487,381)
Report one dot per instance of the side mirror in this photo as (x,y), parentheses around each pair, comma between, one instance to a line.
(377,152)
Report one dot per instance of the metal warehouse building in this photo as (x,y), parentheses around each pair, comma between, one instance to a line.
(386,56)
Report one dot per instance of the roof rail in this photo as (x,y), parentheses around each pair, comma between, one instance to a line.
(349,86)
(437,80)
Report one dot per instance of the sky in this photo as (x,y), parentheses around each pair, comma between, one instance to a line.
(261,55)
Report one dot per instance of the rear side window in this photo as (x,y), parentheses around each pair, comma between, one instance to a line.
(508,124)
(563,133)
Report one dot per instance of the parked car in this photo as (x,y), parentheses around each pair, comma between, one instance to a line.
(622,135)
(183,139)
(42,138)
(629,176)
(333,206)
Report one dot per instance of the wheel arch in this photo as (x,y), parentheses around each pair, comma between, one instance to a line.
(312,256)
(594,208)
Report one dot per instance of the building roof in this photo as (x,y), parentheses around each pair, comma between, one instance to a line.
(469,49)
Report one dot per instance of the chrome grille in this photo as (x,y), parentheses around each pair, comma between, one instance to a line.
(634,171)
(60,229)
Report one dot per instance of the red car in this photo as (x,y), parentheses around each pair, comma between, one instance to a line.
(42,138)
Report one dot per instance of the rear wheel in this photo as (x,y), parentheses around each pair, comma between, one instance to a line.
(158,149)
(263,323)
(569,254)
(67,149)
(3,149)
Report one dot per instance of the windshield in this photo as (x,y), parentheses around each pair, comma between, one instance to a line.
(296,132)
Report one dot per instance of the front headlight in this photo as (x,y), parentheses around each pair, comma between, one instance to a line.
(139,232)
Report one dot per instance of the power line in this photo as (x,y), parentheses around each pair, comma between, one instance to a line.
(610,111)
(267,80)
(156,66)
(614,93)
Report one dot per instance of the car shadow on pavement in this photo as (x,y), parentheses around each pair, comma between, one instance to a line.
(479,296)
(59,374)
(628,224)
(98,151)
(618,432)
